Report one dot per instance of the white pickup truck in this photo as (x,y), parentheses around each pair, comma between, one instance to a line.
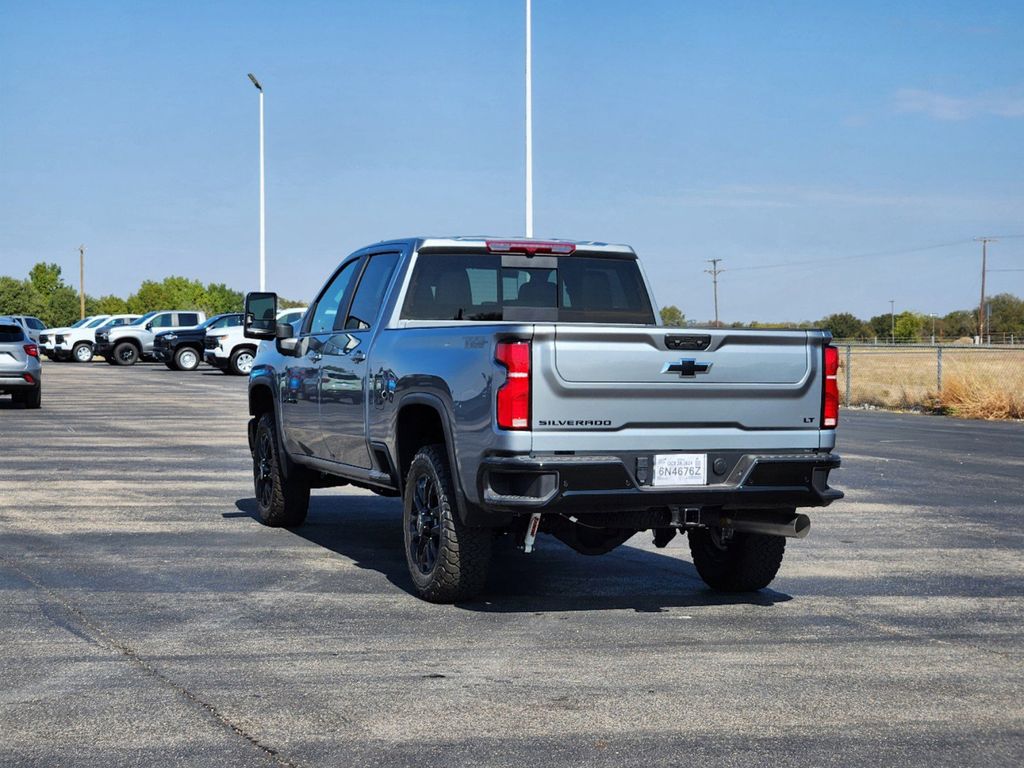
(229,350)
(77,343)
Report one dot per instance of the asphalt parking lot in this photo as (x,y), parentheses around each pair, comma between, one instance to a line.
(147,619)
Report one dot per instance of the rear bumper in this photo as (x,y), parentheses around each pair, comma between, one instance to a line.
(16,382)
(603,483)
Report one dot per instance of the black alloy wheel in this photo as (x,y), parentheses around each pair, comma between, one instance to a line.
(425,525)
(263,475)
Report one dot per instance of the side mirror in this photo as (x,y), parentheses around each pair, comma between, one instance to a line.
(260,316)
(149,326)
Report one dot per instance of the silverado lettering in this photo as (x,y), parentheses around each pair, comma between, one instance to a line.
(574,423)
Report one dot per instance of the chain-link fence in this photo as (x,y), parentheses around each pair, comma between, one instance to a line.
(970,381)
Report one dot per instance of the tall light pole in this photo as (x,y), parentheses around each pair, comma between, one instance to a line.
(81,279)
(529,124)
(263,196)
(933,327)
(892,315)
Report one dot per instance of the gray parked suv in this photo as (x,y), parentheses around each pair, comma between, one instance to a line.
(20,372)
(525,386)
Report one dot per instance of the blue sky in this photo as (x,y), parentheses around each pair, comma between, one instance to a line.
(764,134)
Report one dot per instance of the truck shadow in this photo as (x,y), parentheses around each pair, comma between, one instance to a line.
(368,531)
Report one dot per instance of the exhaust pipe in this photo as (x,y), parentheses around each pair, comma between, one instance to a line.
(772,523)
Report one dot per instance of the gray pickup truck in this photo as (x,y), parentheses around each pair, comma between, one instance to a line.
(517,387)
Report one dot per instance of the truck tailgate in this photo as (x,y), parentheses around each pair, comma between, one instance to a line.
(646,388)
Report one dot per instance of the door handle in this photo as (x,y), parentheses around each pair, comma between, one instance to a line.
(358,356)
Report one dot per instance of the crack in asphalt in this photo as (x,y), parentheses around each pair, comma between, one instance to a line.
(97,634)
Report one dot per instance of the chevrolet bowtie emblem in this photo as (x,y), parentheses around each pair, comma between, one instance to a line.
(687,367)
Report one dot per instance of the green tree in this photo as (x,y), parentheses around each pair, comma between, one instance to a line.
(62,307)
(19,297)
(844,325)
(45,278)
(110,305)
(219,298)
(1007,314)
(672,316)
(910,326)
(150,296)
(962,322)
(881,326)
(283,303)
(184,293)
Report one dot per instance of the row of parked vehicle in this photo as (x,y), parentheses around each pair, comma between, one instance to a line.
(181,339)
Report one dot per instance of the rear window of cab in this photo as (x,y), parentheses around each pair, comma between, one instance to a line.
(476,287)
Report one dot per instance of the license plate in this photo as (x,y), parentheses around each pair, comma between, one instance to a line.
(680,469)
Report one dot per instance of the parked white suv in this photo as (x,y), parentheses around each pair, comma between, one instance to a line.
(77,343)
(127,344)
(49,338)
(229,350)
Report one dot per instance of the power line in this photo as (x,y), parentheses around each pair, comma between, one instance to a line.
(714,272)
(871,255)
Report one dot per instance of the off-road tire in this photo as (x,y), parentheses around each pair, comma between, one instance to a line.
(285,502)
(182,357)
(82,345)
(451,565)
(233,363)
(744,563)
(125,353)
(33,398)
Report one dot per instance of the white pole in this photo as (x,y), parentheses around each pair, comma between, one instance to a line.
(529,128)
(263,209)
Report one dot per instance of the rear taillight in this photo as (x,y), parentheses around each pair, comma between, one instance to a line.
(514,394)
(32,350)
(29,379)
(830,396)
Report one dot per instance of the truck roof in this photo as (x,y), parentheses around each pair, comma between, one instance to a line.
(480,241)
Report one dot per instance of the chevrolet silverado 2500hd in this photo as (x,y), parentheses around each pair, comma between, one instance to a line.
(525,387)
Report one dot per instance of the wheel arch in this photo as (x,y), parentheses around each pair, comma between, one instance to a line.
(423,420)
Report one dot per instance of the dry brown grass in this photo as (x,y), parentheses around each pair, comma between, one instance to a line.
(976,383)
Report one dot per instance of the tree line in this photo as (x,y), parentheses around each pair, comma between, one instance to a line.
(1006,319)
(45,294)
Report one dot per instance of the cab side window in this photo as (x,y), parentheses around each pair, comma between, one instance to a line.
(370,293)
(188,318)
(329,304)
(163,321)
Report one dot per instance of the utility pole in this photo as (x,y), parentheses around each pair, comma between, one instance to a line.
(714,272)
(981,306)
(892,316)
(81,280)
(529,121)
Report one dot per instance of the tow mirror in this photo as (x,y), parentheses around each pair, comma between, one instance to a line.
(260,316)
